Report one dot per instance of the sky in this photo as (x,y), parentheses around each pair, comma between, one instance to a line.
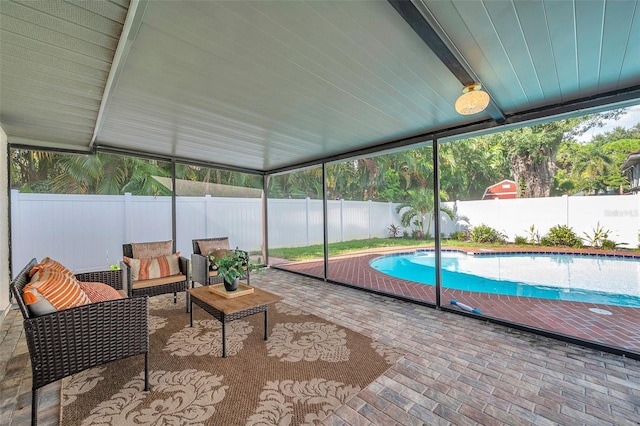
(628,120)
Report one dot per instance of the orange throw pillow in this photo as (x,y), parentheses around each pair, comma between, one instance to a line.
(61,290)
(99,292)
(48,263)
(159,267)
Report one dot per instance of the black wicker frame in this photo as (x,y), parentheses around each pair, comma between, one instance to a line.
(156,290)
(200,265)
(67,342)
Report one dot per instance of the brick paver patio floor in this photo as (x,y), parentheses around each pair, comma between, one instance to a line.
(456,371)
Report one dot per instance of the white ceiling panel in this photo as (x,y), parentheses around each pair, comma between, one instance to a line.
(55,59)
(541,53)
(301,78)
(266,85)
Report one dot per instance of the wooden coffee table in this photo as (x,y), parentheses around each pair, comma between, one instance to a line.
(226,310)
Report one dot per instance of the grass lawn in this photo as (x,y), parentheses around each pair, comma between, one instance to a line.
(317,251)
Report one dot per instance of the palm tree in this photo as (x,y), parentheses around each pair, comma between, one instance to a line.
(421,204)
(108,174)
(469,166)
(300,184)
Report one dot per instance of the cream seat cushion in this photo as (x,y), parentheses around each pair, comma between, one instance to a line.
(158,281)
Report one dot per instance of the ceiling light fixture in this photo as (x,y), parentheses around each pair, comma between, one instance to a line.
(473,100)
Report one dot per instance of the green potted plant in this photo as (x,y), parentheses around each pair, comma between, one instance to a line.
(232,266)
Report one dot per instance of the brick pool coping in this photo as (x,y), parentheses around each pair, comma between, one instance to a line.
(620,329)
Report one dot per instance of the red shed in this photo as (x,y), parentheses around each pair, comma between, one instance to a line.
(503,189)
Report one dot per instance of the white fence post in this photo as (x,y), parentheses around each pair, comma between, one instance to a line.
(307,218)
(341,219)
(128,217)
(391,211)
(16,243)
(208,207)
(369,204)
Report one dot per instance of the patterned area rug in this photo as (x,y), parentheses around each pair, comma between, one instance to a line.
(307,369)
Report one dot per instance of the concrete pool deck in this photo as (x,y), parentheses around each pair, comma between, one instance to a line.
(575,319)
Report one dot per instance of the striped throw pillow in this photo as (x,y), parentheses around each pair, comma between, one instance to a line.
(37,304)
(99,292)
(48,263)
(59,289)
(158,267)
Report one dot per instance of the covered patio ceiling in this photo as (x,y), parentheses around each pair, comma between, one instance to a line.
(269,85)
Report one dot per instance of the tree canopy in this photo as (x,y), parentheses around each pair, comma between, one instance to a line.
(544,159)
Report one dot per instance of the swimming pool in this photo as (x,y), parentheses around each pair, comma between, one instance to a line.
(574,277)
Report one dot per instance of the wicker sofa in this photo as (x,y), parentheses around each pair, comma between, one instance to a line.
(156,286)
(67,342)
(202,271)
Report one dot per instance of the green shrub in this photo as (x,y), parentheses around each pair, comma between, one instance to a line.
(561,235)
(417,234)
(520,240)
(608,244)
(486,234)
(458,236)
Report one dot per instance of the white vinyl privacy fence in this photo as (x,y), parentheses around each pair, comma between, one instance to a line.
(619,214)
(296,223)
(86,232)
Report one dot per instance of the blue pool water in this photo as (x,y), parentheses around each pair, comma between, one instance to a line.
(580,278)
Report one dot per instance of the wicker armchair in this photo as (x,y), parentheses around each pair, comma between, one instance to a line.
(202,271)
(155,287)
(67,342)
